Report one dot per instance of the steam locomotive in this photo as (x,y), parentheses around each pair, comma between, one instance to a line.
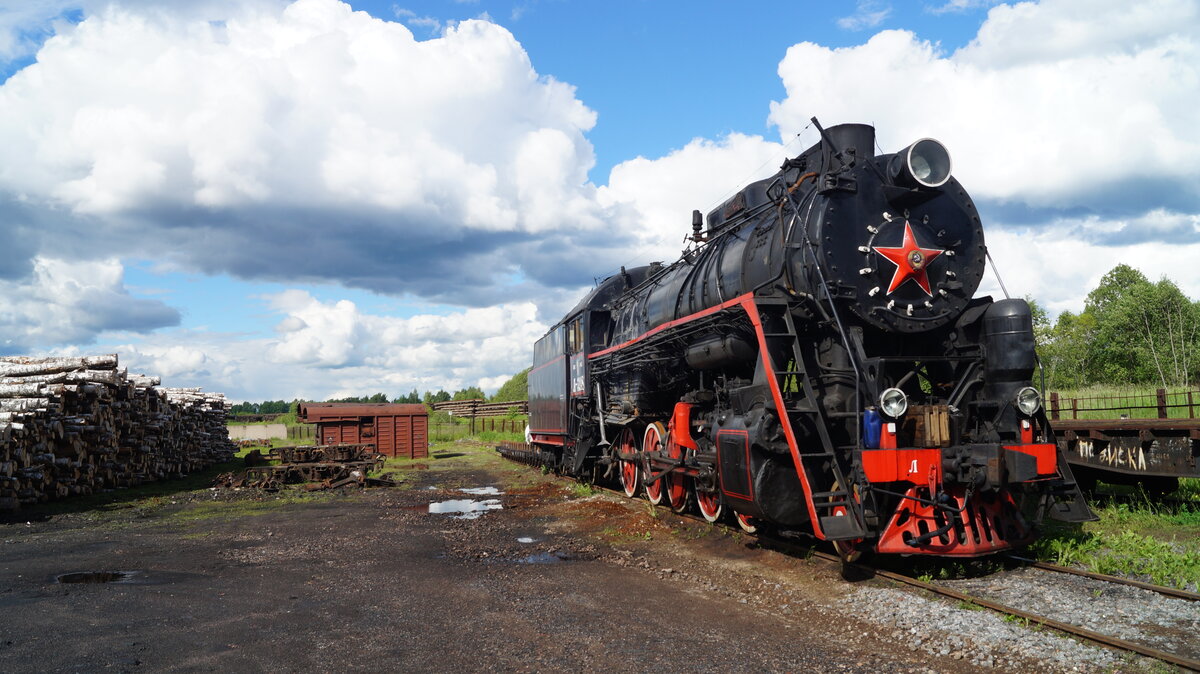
(816,360)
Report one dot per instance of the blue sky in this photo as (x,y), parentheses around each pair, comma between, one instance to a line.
(662,73)
(279,199)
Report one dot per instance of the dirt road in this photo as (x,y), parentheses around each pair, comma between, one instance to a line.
(557,579)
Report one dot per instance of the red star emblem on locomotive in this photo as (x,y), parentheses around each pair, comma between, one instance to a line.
(911,260)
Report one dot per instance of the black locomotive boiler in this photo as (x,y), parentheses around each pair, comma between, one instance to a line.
(816,360)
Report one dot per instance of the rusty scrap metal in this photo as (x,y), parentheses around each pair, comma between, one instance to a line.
(316,466)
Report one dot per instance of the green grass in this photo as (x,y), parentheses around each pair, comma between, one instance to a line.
(1110,402)
(582,490)
(1189,489)
(1134,537)
(228,510)
(498,436)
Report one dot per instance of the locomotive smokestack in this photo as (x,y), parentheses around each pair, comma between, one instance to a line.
(847,142)
(697,225)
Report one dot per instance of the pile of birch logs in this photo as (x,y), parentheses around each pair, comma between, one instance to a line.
(80,425)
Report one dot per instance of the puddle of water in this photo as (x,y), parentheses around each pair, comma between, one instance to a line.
(544,558)
(526,539)
(466,509)
(482,491)
(97,577)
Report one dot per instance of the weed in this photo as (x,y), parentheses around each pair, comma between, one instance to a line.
(1023,622)
(499,436)
(1189,489)
(582,490)
(968,605)
(227,510)
(1128,540)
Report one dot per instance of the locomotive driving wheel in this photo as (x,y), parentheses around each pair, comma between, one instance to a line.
(675,486)
(709,500)
(747,523)
(653,442)
(630,470)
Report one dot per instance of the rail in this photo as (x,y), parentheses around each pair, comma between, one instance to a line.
(1168,591)
(1059,625)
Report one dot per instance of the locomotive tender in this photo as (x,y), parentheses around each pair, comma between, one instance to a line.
(816,360)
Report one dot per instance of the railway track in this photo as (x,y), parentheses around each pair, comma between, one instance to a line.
(1069,628)
(797,549)
(1168,591)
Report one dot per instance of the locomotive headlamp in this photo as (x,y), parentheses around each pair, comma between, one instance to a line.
(894,403)
(1029,400)
(925,163)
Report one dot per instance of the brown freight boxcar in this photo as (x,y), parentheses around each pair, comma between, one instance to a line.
(395,430)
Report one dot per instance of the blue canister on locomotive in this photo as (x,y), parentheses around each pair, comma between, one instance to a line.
(872,428)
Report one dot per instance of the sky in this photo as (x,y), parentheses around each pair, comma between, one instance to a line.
(319,199)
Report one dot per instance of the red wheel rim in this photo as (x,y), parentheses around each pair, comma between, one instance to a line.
(676,483)
(746,523)
(630,473)
(849,550)
(709,503)
(852,549)
(653,443)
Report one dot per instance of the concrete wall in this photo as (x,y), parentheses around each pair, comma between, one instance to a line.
(257,431)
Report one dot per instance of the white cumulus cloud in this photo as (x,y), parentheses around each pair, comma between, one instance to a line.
(494,341)
(331,349)
(1058,267)
(698,176)
(72,302)
(1050,105)
(302,127)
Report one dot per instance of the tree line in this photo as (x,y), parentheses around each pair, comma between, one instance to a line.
(512,390)
(1131,331)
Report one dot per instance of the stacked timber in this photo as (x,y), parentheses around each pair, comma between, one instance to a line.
(79,425)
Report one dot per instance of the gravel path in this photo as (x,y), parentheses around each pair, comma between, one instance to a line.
(979,637)
(1121,611)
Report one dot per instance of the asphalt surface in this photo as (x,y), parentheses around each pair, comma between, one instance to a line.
(556,579)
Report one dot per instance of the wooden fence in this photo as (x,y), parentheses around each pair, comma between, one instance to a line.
(302,432)
(1159,405)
